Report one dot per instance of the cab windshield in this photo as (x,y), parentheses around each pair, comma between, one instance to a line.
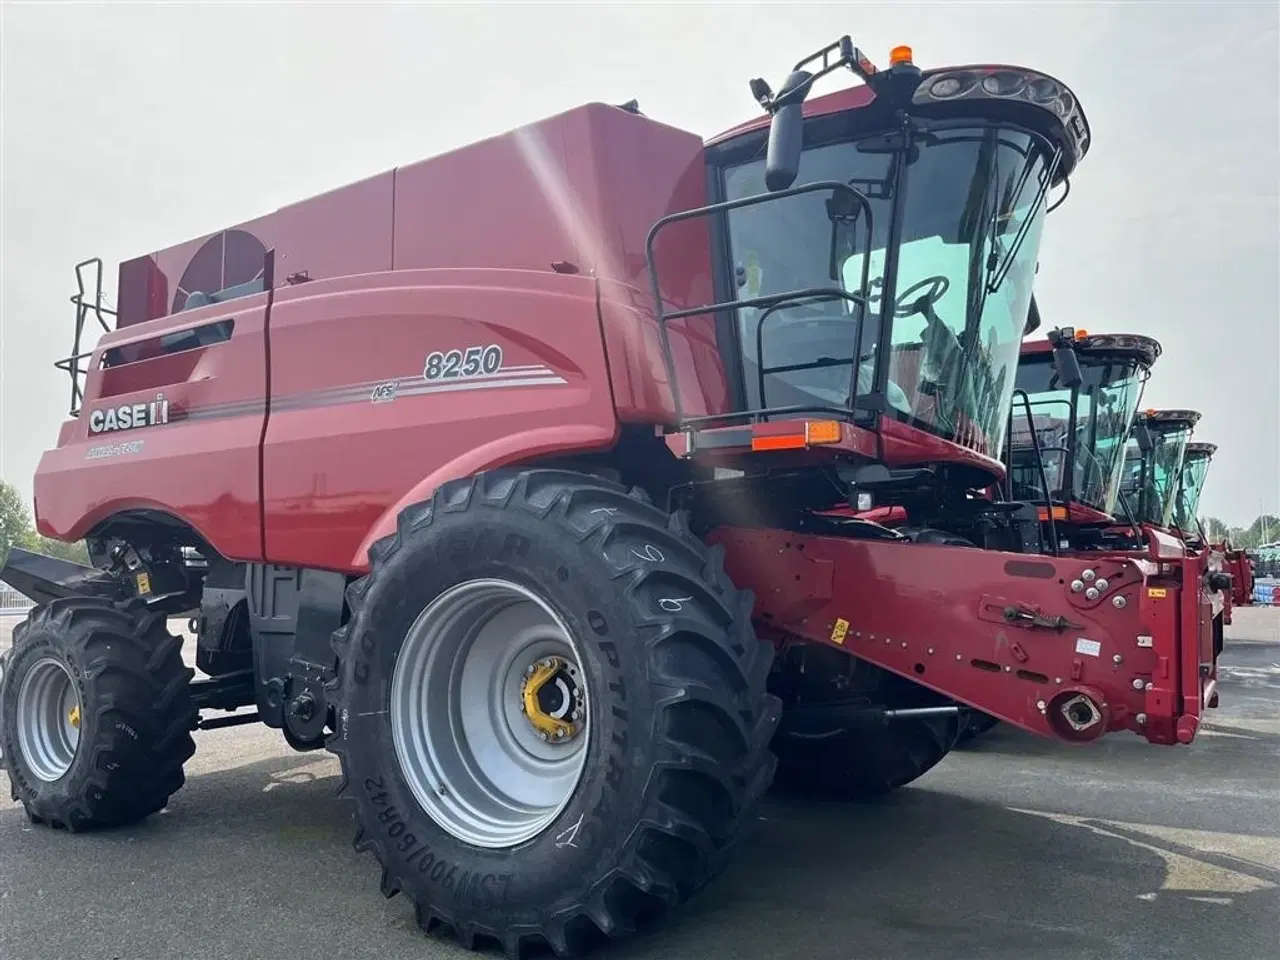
(1151,483)
(1194,471)
(1091,457)
(969,228)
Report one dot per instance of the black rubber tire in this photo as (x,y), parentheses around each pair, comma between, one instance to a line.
(137,712)
(678,705)
(862,762)
(977,724)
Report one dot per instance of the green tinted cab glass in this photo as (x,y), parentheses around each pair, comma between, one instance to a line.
(970,231)
(1105,406)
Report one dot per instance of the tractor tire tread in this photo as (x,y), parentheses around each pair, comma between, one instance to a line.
(140,714)
(709,759)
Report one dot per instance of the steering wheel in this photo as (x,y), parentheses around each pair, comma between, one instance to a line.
(932,290)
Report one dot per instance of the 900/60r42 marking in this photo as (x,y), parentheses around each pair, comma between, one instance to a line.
(471,887)
(471,362)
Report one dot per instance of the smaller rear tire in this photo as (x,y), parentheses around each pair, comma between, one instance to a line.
(95,713)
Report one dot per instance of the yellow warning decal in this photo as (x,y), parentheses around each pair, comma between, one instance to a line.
(1157,593)
(840,630)
(144,583)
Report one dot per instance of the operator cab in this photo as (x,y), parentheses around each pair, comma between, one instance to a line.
(1153,464)
(1072,413)
(1195,469)
(874,255)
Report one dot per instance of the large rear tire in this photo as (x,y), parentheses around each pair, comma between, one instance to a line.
(845,761)
(95,714)
(656,747)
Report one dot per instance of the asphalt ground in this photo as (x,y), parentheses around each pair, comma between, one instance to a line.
(1011,848)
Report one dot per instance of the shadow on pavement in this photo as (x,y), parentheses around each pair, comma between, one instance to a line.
(257,861)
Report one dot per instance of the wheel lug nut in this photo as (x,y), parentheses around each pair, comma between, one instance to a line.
(541,735)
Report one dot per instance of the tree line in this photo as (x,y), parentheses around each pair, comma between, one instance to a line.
(1264,529)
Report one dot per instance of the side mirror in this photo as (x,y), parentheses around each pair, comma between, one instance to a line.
(1142,434)
(1065,362)
(1067,366)
(786,132)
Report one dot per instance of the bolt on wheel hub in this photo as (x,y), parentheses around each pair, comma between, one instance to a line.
(551,699)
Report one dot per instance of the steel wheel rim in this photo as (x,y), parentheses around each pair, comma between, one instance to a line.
(466,746)
(48,719)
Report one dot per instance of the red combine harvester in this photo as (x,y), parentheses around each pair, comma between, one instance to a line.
(1186,523)
(1195,470)
(1074,407)
(549,564)
(1155,463)
(1073,411)
(1237,563)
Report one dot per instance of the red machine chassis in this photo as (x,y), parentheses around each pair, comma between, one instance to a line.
(1017,636)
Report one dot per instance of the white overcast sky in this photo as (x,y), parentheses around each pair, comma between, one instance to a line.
(127,128)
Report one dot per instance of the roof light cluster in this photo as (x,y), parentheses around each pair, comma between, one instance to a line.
(1191,417)
(1010,83)
(1147,347)
(1201,449)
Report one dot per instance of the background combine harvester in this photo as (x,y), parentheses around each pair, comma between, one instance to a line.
(1218,557)
(551,565)
(1191,481)
(1153,464)
(1072,420)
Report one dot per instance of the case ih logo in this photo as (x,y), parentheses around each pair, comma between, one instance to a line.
(130,416)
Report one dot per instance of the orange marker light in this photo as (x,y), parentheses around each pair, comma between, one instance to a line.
(1081,334)
(899,55)
(788,441)
(814,432)
(1059,513)
(823,431)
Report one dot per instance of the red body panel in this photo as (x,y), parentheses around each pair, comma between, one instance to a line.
(532,241)
(337,467)
(1140,662)
(202,469)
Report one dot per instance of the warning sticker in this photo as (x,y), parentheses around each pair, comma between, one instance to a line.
(1157,593)
(839,631)
(1088,648)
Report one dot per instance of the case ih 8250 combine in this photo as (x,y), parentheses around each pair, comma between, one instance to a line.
(1074,444)
(508,476)
(1232,561)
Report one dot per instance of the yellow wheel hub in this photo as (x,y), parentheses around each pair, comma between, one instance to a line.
(551,699)
(73,717)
